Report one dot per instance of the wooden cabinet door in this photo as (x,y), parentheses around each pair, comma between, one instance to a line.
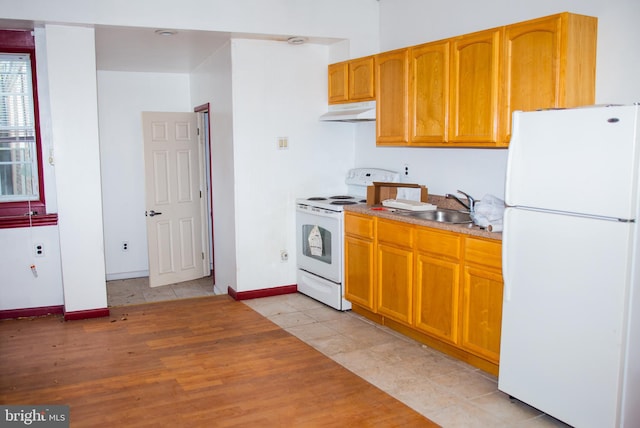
(359,268)
(475,81)
(548,63)
(361,83)
(394,279)
(392,89)
(429,93)
(482,298)
(338,82)
(437,283)
(359,256)
(437,295)
(482,312)
(530,67)
(394,270)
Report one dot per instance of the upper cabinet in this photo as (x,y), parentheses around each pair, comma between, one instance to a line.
(351,81)
(392,107)
(462,91)
(338,83)
(548,63)
(475,85)
(429,93)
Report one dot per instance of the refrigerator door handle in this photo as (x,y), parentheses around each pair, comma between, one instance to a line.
(505,256)
(512,156)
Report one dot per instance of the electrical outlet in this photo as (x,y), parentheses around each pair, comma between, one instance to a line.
(284,256)
(406,169)
(38,250)
(125,246)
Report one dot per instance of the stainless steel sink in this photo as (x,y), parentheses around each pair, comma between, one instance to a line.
(440,215)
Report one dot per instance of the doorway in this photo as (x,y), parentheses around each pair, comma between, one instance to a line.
(204,125)
(138,290)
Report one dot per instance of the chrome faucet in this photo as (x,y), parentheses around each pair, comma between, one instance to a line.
(470,205)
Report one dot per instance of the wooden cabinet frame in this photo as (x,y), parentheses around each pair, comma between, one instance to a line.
(462,91)
(439,287)
(351,81)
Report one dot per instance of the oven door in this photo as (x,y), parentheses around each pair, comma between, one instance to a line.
(319,242)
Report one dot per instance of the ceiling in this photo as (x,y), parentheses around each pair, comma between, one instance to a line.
(143,50)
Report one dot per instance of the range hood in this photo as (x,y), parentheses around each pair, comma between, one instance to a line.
(351,112)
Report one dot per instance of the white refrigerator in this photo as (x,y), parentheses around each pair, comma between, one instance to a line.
(570,342)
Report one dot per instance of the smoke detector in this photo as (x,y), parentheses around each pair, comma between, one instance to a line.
(166,33)
(296,40)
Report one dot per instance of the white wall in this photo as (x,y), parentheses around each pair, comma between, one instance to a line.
(279,90)
(19,288)
(122,97)
(211,83)
(481,171)
(74,118)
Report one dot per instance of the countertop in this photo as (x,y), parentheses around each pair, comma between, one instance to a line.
(440,202)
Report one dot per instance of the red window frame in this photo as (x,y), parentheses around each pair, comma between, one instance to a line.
(16,214)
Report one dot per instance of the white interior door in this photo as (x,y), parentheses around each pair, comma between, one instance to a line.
(173,196)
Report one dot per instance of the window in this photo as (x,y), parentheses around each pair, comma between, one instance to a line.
(22,200)
(18,151)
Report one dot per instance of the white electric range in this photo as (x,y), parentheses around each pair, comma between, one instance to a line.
(320,236)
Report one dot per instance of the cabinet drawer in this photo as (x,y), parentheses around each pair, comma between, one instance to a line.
(440,243)
(358,225)
(394,233)
(488,253)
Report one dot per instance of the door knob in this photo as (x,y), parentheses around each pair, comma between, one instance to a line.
(151,213)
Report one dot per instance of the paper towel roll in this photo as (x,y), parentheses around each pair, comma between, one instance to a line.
(408,193)
(495,227)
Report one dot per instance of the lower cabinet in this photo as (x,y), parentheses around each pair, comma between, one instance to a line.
(482,298)
(394,273)
(438,284)
(359,260)
(439,287)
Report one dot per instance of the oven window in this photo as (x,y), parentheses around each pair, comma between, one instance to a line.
(316,242)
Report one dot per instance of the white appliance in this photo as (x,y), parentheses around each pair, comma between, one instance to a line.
(320,237)
(571,264)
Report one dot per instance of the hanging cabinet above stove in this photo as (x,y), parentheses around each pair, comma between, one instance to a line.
(462,91)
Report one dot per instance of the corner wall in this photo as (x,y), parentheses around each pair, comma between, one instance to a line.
(74,114)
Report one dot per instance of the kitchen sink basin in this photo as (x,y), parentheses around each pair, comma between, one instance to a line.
(441,215)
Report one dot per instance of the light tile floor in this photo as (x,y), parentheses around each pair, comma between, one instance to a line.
(136,290)
(445,390)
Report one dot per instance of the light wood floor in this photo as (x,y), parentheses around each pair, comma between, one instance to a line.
(196,362)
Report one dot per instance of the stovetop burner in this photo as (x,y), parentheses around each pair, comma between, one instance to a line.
(343,202)
(341,197)
(316,198)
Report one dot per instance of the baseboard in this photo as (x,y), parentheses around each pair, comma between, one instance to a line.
(88,313)
(127,275)
(31,312)
(265,292)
